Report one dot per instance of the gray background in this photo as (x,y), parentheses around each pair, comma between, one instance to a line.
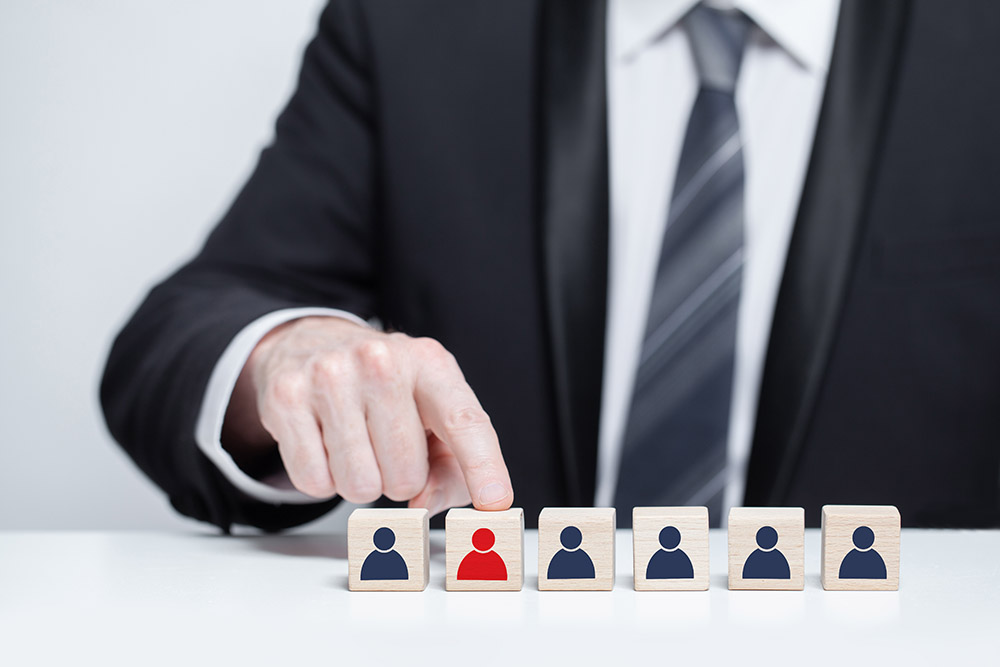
(126,129)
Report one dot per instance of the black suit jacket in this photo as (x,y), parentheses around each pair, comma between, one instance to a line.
(443,166)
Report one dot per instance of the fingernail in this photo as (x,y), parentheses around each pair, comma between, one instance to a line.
(492,493)
(436,504)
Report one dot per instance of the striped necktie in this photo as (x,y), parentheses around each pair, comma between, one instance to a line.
(674,451)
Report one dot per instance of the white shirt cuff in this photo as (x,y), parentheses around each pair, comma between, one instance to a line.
(277,489)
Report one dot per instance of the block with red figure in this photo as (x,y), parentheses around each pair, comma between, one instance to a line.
(484,550)
(482,562)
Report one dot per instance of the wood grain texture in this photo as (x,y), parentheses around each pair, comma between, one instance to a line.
(789,522)
(597,529)
(508,529)
(692,523)
(838,525)
(412,542)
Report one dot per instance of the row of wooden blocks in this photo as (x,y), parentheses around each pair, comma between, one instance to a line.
(389,549)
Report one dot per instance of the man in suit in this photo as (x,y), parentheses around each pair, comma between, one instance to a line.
(639,253)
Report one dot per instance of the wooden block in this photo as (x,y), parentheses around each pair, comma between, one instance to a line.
(767,548)
(484,550)
(670,548)
(576,549)
(388,550)
(860,548)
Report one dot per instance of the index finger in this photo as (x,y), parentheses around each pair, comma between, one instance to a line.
(450,409)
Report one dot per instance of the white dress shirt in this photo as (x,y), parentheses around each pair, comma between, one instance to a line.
(652,83)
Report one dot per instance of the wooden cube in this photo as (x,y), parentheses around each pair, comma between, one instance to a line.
(388,550)
(767,548)
(576,549)
(670,548)
(484,551)
(860,548)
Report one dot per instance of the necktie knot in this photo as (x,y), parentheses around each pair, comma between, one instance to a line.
(717,38)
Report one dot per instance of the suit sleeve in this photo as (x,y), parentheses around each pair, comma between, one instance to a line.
(298,235)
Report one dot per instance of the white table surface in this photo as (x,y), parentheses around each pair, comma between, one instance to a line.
(156,598)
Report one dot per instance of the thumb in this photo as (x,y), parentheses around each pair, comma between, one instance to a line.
(446,486)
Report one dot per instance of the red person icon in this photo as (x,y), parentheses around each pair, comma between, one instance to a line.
(483,564)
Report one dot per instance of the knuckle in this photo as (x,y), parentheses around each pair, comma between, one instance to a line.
(402,489)
(359,481)
(376,357)
(329,369)
(286,389)
(465,420)
(313,482)
(406,482)
(309,474)
(480,467)
(357,490)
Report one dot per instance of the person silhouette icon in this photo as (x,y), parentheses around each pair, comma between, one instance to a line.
(670,562)
(482,563)
(571,562)
(766,562)
(384,563)
(863,562)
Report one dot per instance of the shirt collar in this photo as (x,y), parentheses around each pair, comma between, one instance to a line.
(804,29)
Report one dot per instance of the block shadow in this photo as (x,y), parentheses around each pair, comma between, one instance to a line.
(301,546)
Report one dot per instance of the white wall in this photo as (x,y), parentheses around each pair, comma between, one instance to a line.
(125,130)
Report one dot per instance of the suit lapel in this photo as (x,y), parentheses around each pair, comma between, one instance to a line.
(574,224)
(822,251)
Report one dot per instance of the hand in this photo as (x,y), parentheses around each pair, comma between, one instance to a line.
(361,413)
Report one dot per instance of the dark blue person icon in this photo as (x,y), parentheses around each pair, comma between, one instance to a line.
(670,562)
(571,562)
(863,562)
(766,562)
(384,563)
